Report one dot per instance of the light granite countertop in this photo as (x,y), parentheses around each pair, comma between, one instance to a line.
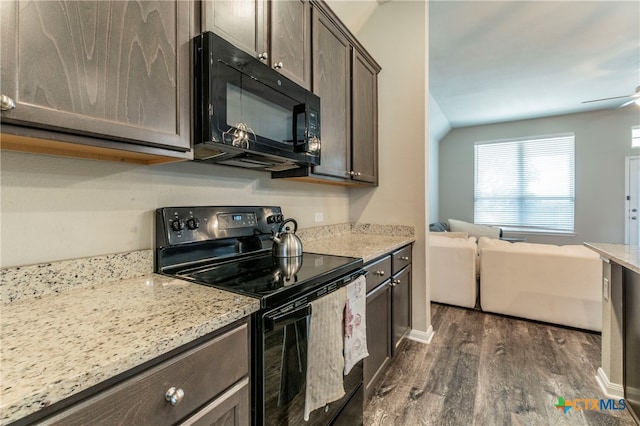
(69,325)
(357,240)
(57,345)
(622,254)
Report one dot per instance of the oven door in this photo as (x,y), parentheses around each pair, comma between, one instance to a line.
(284,371)
(285,366)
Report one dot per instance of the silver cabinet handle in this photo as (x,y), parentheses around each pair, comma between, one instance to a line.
(278,65)
(352,173)
(404,258)
(6,103)
(380,273)
(395,282)
(263,56)
(174,396)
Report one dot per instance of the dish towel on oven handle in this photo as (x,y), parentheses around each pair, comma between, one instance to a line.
(325,361)
(355,324)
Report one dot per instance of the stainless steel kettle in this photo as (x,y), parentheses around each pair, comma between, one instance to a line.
(287,268)
(286,243)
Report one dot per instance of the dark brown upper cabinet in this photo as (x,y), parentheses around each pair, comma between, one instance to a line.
(276,32)
(345,77)
(331,81)
(110,74)
(364,142)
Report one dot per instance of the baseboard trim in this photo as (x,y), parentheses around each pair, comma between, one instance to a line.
(610,390)
(421,336)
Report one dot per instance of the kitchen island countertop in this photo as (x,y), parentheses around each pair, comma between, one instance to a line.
(622,254)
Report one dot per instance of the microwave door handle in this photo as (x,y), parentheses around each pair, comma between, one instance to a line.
(300,109)
(286,318)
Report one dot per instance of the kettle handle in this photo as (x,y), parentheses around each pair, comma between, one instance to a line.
(295,225)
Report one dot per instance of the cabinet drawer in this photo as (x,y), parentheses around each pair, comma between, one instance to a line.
(379,271)
(202,373)
(401,258)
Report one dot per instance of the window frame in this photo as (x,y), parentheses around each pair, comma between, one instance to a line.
(523,228)
(635,136)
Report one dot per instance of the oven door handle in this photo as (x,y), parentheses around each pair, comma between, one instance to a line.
(282,319)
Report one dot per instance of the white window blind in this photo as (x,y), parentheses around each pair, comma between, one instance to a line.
(635,137)
(526,184)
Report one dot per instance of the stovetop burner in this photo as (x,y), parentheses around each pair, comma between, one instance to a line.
(271,278)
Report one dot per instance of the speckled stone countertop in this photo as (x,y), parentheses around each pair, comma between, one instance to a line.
(57,344)
(622,254)
(356,240)
(67,326)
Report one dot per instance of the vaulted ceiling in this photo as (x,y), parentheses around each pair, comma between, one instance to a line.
(496,61)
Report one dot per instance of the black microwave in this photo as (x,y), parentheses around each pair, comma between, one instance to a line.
(247,114)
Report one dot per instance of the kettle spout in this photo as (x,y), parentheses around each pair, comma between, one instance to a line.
(276,239)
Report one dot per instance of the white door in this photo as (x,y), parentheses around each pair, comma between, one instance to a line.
(632,187)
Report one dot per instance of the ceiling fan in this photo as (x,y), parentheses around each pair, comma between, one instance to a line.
(632,98)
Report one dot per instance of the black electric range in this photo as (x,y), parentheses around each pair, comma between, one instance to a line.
(230,248)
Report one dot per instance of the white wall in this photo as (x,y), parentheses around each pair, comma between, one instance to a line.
(401,196)
(56,208)
(602,140)
(438,128)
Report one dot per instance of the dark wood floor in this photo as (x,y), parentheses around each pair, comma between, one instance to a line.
(485,369)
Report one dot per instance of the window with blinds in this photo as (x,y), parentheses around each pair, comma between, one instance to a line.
(526,184)
(635,137)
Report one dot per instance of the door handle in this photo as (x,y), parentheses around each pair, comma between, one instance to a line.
(270,321)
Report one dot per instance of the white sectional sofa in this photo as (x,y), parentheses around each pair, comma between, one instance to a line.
(544,282)
(453,269)
(556,284)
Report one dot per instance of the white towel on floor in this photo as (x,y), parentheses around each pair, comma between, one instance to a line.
(355,324)
(325,362)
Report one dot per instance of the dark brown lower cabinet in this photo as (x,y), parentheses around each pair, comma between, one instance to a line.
(401,308)
(378,335)
(230,409)
(209,383)
(388,312)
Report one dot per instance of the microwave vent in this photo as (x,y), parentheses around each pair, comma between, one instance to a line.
(205,152)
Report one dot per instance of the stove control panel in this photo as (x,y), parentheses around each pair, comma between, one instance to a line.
(237,220)
(182,225)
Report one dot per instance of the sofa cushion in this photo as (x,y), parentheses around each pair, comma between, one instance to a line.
(475,230)
(452,270)
(544,282)
(463,235)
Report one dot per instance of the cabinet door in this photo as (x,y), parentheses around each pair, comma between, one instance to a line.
(378,335)
(331,70)
(229,409)
(201,373)
(290,33)
(365,120)
(112,69)
(241,22)
(401,308)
